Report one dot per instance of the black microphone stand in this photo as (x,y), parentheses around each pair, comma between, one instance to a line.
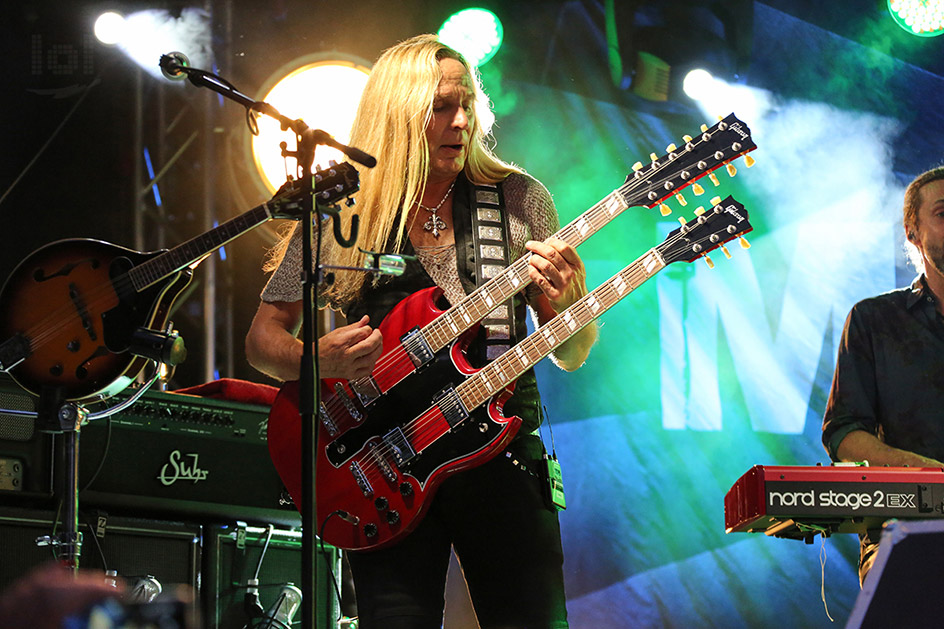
(174,65)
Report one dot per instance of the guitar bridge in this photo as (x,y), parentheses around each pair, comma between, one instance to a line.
(347,401)
(330,425)
(361,478)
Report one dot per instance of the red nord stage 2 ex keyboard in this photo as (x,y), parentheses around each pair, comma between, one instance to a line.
(800,502)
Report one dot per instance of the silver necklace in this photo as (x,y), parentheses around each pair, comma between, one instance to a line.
(435,222)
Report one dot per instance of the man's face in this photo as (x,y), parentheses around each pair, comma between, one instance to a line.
(929,236)
(448,130)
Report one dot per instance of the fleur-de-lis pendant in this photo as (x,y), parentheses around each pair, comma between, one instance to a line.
(434,224)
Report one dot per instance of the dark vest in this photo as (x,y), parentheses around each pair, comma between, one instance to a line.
(378,300)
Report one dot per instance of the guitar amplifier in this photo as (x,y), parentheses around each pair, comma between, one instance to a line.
(166,456)
(183,455)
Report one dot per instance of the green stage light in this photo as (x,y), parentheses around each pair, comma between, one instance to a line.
(924,18)
(476,33)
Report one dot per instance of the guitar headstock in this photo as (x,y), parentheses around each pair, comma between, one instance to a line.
(682,166)
(724,222)
(331,185)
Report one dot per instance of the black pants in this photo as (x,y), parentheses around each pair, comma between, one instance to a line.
(507,541)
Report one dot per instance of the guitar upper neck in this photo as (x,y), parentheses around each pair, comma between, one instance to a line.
(510,365)
(499,289)
(180,257)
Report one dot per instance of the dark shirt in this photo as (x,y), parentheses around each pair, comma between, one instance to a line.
(890,373)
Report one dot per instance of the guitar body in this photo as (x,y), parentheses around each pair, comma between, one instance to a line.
(383,471)
(343,406)
(70,301)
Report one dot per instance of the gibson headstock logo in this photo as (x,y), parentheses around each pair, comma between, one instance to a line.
(182,467)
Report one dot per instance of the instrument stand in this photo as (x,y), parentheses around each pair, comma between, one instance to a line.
(54,414)
(61,417)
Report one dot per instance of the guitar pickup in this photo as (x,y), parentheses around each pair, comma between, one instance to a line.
(399,446)
(451,407)
(366,389)
(416,347)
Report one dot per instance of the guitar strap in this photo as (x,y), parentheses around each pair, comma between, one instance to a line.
(487,253)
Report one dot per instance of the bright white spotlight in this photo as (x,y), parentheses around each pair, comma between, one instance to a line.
(750,103)
(322,91)
(154,32)
(476,33)
(698,84)
(110,28)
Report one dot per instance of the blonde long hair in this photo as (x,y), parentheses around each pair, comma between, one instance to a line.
(390,124)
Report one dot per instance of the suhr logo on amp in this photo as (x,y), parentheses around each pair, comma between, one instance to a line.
(798,498)
(182,467)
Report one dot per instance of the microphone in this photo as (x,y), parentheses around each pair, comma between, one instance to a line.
(359,156)
(144,589)
(174,66)
(282,611)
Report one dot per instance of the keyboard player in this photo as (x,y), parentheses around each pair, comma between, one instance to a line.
(886,405)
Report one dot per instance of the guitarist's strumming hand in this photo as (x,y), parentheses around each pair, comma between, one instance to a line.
(349,351)
(558,271)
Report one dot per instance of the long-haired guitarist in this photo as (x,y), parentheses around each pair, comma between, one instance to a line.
(423,115)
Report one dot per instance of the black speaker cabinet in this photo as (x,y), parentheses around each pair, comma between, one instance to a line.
(168,551)
(232,558)
(901,588)
(26,455)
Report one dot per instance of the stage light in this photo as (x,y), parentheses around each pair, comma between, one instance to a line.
(321,90)
(660,43)
(109,28)
(476,33)
(146,35)
(924,18)
(698,84)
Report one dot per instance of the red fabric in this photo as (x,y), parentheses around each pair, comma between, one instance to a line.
(235,391)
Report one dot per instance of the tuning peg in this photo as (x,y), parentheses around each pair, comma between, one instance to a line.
(670,148)
(715,201)
(724,250)
(664,209)
(637,166)
(731,169)
(687,138)
(704,128)
(744,243)
(748,161)
(699,210)
(682,221)
(708,261)
(653,157)
(697,189)
(714,179)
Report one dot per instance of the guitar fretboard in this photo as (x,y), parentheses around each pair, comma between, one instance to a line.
(486,298)
(510,365)
(182,256)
